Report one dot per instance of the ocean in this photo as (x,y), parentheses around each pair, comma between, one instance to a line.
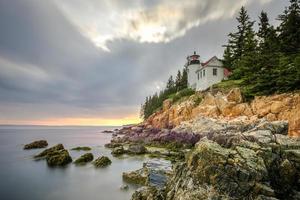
(21,177)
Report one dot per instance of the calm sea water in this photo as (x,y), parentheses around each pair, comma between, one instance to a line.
(23,178)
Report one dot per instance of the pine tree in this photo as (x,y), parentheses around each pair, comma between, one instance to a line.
(240,43)
(178,81)
(184,80)
(170,88)
(228,57)
(289,29)
(268,41)
(264,76)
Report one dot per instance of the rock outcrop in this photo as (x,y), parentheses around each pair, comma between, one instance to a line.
(137,149)
(36,144)
(81,149)
(231,106)
(153,174)
(102,161)
(85,158)
(48,151)
(235,160)
(59,158)
(55,156)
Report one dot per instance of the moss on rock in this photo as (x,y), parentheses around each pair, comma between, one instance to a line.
(102,161)
(36,144)
(81,149)
(88,157)
(58,158)
(50,150)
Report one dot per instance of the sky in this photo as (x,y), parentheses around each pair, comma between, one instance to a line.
(93,62)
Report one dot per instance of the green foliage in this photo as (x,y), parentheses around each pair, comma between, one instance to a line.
(265,62)
(174,90)
(241,42)
(289,29)
(183,93)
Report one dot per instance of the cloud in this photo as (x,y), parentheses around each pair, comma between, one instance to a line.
(144,21)
(51,68)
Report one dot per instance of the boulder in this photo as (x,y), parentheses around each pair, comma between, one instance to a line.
(102,161)
(58,158)
(36,144)
(148,193)
(81,149)
(124,187)
(50,150)
(112,145)
(137,149)
(277,107)
(88,157)
(235,96)
(117,151)
(139,177)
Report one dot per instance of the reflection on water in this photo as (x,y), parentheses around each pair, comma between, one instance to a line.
(23,178)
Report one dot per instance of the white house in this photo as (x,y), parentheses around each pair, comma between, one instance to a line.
(203,75)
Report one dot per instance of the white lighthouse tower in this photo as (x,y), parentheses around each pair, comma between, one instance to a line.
(193,64)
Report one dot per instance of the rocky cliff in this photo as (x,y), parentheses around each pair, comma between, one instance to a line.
(233,160)
(229,106)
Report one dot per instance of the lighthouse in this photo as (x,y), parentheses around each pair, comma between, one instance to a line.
(193,64)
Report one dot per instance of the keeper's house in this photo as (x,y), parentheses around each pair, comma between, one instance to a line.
(203,75)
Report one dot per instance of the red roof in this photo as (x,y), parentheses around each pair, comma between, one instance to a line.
(227,72)
(205,63)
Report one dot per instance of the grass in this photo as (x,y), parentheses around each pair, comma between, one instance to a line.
(181,94)
(228,84)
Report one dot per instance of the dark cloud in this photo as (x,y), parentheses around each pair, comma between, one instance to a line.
(48,68)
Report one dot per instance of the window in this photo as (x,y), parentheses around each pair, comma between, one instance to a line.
(215,72)
(203,72)
(198,75)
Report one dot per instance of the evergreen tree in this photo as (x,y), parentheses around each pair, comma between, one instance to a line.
(289,29)
(264,76)
(178,81)
(184,80)
(228,57)
(170,88)
(236,47)
(268,41)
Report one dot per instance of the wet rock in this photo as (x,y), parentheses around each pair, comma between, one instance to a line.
(154,173)
(36,144)
(107,131)
(117,151)
(58,158)
(148,193)
(112,145)
(102,161)
(81,149)
(137,149)
(139,177)
(238,161)
(88,157)
(50,150)
(124,187)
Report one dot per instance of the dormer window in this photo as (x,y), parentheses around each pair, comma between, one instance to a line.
(215,71)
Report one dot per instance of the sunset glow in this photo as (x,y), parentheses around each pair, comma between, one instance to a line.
(77,121)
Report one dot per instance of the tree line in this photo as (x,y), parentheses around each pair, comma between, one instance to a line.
(154,102)
(268,60)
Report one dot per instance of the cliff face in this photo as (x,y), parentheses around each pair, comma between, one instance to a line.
(233,160)
(230,106)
